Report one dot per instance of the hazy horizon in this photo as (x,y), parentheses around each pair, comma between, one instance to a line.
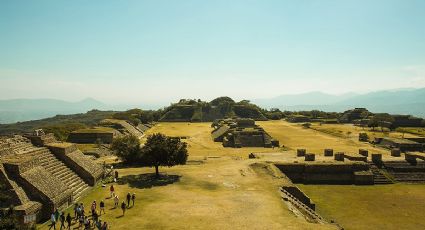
(128,52)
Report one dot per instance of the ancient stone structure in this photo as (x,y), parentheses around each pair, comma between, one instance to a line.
(240,132)
(41,174)
(363,137)
(328,152)
(402,144)
(327,173)
(395,152)
(84,137)
(377,158)
(298,119)
(364,152)
(301,152)
(351,116)
(339,156)
(407,121)
(309,157)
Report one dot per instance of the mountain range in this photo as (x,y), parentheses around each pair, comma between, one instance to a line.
(398,101)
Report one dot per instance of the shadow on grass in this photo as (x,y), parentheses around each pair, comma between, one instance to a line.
(148,180)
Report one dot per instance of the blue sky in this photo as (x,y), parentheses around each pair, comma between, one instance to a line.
(160,51)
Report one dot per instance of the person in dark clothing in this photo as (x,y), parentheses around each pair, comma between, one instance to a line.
(68,220)
(123,207)
(116,175)
(102,207)
(133,197)
(128,199)
(62,220)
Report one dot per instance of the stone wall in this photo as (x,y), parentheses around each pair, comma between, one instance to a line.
(82,165)
(323,173)
(90,138)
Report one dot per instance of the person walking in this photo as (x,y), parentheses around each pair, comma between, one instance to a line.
(123,207)
(102,207)
(112,190)
(68,220)
(62,220)
(133,198)
(53,220)
(76,210)
(93,207)
(128,199)
(116,201)
(105,226)
(57,214)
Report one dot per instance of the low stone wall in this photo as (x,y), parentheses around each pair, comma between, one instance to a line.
(90,138)
(355,157)
(82,165)
(297,193)
(324,173)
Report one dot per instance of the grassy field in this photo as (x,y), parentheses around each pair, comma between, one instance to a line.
(293,136)
(398,206)
(218,189)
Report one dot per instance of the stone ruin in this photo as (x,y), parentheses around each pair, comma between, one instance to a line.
(41,174)
(241,132)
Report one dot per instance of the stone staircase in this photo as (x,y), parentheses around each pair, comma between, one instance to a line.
(378,177)
(310,214)
(60,171)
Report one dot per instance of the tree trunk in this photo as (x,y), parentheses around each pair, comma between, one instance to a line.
(157,171)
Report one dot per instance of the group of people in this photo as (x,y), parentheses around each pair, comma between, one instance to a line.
(129,198)
(82,217)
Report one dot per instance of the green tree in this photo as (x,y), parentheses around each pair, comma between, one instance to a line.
(160,150)
(127,148)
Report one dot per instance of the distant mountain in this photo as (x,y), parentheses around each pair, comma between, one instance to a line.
(311,98)
(399,101)
(16,110)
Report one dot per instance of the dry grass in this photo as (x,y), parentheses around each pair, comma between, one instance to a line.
(398,206)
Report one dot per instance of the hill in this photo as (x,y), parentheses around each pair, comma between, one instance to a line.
(62,122)
(197,110)
(16,110)
(399,101)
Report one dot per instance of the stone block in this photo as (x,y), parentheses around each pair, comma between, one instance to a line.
(329,152)
(339,156)
(301,152)
(364,152)
(309,157)
(395,152)
(377,158)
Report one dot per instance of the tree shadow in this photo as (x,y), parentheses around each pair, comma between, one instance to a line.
(148,180)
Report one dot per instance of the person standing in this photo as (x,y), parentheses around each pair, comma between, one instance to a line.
(128,199)
(102,207)
(116,201)
(53,220)
(123,207)
(133,197)
(62,220)
(76,210)
(68,220)
(57,214)
(112,190)
(105,226)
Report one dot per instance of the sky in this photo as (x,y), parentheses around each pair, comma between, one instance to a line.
(161,51)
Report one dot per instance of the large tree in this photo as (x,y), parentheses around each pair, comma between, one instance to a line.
(160,150)
(127,148)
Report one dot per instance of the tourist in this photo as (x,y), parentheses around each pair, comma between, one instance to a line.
(76,210)
(133,198)
(80,221)
(95,216)
(128,199)
(86,223)
(57,214)
(112,190)
(116,175)
(116,201)
(99,224)
(93,207)
(53,220)
(123,207)
(62,219)
(68,220)
(105,226)
(102,207)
